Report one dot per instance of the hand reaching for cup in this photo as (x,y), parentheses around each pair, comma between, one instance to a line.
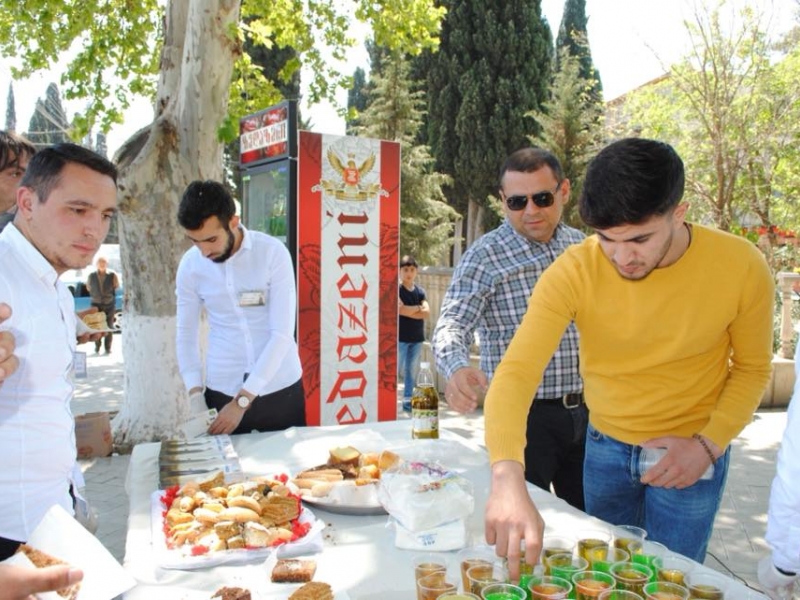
(465,389)
(8,362)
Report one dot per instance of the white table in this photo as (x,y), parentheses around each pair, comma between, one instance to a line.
(359,560)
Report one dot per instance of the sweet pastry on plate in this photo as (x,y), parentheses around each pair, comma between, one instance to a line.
(313,590)
(232,593)
(293,570)
(42,559)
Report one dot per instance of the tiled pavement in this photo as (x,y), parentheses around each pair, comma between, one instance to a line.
(736,545)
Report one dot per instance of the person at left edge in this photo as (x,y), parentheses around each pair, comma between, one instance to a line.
(245,282)
(65,204)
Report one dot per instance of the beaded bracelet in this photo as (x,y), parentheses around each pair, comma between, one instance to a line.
(703,443)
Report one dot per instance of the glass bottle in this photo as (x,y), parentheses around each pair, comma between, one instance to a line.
(425,406)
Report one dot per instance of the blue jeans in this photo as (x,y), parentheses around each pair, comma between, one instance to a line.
(680,519)
(408,364)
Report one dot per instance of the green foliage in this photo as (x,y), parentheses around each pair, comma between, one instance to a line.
(394,112)
(116,44)
(356,98)
(493,67)
(731,108)
(572,126)
(113,44)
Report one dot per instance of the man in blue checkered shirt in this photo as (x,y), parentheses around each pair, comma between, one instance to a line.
(489,295)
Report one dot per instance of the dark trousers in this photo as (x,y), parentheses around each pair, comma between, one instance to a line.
(8,547)
(270,412)
(109,310)
(556,447)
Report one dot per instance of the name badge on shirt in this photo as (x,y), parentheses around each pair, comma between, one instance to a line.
(79,365)
(253,298)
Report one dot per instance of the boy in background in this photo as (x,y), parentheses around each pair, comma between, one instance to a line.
(413,311)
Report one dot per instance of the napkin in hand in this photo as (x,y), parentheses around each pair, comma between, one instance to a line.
(61,536)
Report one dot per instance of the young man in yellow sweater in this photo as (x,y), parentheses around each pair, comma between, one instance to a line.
(675,322)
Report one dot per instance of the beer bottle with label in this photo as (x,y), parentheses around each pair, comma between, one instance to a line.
(425,406)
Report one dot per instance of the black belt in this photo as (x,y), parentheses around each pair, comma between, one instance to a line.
(569,401)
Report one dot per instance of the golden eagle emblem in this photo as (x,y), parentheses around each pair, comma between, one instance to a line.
(351,186)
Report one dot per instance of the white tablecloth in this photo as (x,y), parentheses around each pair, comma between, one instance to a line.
(360,560)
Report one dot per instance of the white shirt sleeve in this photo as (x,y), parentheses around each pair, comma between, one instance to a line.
(187,327)
(783,519)
(282,318)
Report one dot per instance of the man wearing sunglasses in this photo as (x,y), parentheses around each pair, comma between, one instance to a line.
(489,294)
(675,322)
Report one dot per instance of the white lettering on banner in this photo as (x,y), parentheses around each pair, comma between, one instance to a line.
(262,138)
(349,296)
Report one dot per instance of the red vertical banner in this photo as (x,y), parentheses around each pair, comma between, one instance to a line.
(348,218)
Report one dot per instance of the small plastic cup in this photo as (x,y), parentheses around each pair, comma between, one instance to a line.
(631,576)
(430,587)
(612,555)
(549,588)
(707,585)
(556,544)
(428,564)
(651,551)
(474,555)
(588,585)
(459,596)
(619,595)
(593,543)
(673,568)
(664,590)
(629,538)
(565,566)
(481,575)
(503,591)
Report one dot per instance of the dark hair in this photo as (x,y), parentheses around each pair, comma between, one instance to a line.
(44,169)
(630,181)
(528,160)
(12,146)
(408,261)
(204,199)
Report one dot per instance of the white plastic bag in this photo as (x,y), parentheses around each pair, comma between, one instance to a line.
(422,495)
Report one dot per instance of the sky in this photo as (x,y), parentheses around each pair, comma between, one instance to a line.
(630,40)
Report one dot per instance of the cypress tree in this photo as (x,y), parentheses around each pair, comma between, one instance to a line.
(394,112)
(573,36)
(492,69)
(356,98)
(11,111)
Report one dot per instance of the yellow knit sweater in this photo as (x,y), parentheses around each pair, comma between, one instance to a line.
(688,349)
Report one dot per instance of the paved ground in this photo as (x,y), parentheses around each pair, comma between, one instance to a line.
(736,546)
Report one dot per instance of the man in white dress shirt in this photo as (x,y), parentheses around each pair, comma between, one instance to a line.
(245,282)
(65,203)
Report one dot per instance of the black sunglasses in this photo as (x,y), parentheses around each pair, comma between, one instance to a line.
(540,199)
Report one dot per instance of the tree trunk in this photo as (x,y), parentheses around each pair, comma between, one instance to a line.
(156,165)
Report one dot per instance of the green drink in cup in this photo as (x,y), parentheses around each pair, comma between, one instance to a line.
(651,552)
(555,544)
(664,590)
(565,566)
(612,555)
(588,585)
(503,591)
